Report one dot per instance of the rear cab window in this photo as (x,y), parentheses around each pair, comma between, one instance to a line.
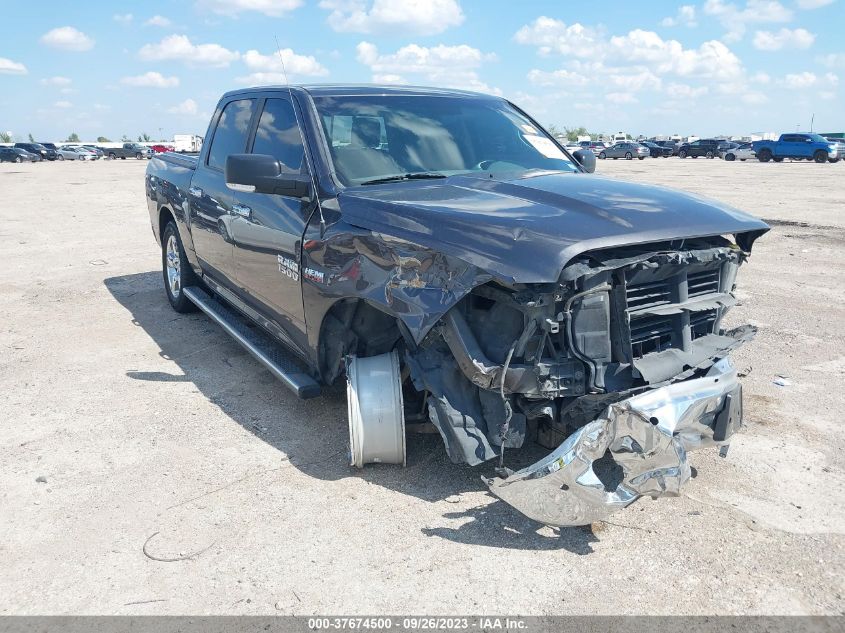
(231,133)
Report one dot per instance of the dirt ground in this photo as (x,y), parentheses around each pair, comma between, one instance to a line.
(153,427)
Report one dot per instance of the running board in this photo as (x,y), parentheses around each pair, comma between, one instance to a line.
(282,364)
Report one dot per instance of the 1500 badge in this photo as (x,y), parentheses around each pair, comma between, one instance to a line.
(288,267)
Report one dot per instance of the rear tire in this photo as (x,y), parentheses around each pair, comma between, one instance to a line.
(641,157)
(602,155)
(138,156)
(176,269)
(820,156)
(682,154)
(628,156)
(765,155)
(18,159)
(730,157)
(112,156)
(708,155)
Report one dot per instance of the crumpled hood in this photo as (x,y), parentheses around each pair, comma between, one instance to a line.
(526,229)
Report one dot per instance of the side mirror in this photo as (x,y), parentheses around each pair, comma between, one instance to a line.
(261,173)
(587,159)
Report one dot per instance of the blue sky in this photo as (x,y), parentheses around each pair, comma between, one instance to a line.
(158,66)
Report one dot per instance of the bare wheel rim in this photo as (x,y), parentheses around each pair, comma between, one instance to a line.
(173,263)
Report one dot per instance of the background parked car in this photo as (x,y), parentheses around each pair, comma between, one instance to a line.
(160,149)
(129,150)
(51,147)
(17,155)
(797,146)
(627,150)
(671,145)
(707,147)
(38,149)
(657,151)
(840,146)
(96,150)
(741,152)
(67,152)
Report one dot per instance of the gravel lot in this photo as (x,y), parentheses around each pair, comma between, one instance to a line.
(145,422)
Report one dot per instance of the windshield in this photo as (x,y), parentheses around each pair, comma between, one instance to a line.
(818,138)
(384,137)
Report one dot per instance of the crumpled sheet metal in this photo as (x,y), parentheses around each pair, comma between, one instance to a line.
(648,435)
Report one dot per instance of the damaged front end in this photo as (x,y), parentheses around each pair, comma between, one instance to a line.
(623,358)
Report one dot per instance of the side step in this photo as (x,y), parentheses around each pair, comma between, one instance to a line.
(281,363)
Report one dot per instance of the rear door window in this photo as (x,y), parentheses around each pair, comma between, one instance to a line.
(232,131)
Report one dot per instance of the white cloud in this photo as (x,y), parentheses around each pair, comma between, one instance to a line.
(832,79)
(294,64)
(754,98)
(554,36)
(684,17)
(180,48)
(735,19)
(560,77)
(56,81)
(63,104)
(447,66)
(123,18)
(636,81)
(620,97)
(813,4)
(784,38)
(8,67)
(389,79)
(273,8)
(187,107)
(268,69)
(833,60)
(418,17)
(67,38)
(711,60)
(685,91)
(150,80)
(158,20)
(798,81)
(760,78)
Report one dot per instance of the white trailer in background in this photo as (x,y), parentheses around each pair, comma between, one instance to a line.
(187,142)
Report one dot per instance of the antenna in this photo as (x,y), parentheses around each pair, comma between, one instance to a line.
(301,135)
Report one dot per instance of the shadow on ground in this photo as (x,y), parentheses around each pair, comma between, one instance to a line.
(313,433)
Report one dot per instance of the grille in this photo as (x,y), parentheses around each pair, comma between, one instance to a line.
(702,283)
(649,333)
(649,295)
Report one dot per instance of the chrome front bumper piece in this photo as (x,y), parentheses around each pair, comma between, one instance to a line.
(647,435)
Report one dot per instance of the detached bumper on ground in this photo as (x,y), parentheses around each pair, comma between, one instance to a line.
(648,436)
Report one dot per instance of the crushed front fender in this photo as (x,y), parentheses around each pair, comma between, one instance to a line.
(647,435)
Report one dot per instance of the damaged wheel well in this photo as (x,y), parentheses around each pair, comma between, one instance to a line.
(354,326)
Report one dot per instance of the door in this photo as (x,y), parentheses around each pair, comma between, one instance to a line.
(790,145)
(267,232)
(211,200)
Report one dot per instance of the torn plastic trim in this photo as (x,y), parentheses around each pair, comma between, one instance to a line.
(647,435)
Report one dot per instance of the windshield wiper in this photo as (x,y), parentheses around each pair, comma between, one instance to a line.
(419,175)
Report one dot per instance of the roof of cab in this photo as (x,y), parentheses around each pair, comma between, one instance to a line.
(333,90)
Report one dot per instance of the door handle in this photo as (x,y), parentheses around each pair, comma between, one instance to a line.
(195,191)
(241,211)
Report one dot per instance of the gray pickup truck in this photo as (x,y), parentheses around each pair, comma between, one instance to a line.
(128,150)
(444,256)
